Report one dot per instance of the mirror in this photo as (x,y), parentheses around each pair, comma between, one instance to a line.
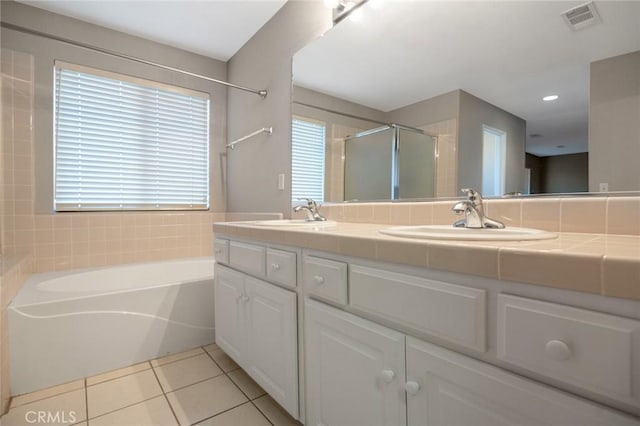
(474,74)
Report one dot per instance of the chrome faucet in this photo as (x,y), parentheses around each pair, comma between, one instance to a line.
(473,212)
(312,210)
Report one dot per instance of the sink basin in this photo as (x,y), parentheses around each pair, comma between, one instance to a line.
(295,222)
(448,232)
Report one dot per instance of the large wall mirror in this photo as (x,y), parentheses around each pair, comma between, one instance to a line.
(509,97)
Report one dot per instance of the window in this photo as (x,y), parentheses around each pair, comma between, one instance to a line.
(123,143)
(307,159)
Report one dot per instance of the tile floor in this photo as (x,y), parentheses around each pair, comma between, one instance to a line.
(202,386)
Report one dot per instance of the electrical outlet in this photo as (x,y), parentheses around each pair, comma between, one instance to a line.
(604,187)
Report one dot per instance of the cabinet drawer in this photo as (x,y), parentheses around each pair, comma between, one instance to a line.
(448,311)
(449,388)
(281,267)
(325,279)
(247,257)
(221,250)
(594,351)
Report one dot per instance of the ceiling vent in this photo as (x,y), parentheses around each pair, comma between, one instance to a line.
(582,16)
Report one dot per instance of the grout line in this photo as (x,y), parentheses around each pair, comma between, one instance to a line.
(13,397)
(119,377)
(122,408)
(219,366)
(165,396)
(181,359)
(261,412)
(190,384)
(249,399)
(217,414)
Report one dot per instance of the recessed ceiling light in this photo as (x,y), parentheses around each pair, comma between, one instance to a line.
(550,98)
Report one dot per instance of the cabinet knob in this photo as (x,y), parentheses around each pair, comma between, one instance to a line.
(275,266)
(557,350)
(387,376)
(245,298)
(318,279)
(412,388)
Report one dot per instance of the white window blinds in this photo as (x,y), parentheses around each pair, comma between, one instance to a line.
(127,143)
(307,160)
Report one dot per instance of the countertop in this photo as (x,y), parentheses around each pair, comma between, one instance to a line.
(603,264)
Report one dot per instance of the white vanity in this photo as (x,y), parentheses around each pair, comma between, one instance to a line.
(340,340)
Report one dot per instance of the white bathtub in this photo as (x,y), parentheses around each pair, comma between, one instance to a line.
(74,324)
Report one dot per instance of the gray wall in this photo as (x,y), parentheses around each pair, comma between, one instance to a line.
(474,112)
(614,123)
(433,110)
(311,97)
(265,62)
(45,51)
(535,164)
(566,173)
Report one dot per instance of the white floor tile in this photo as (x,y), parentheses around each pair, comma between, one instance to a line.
(246,384)
(118,393)
(64,409)
(223,360)
(46,393)
(186,372)
(274,412)
(117,373)
(176,357)
(154,412)
(244,415)
(205,399)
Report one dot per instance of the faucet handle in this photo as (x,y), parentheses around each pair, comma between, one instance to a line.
(310,202)
(472,195)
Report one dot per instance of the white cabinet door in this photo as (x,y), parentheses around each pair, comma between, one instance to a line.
(273,347)
(230,309)
(354,370)
(445,388)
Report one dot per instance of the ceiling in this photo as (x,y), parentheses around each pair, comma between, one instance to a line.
(214,28)
(509,53)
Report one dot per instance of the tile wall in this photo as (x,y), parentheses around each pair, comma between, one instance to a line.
(600,215)
(51,242)
(446,156)
(82,240)
(16,191)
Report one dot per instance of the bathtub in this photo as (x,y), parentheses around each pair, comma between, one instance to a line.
(74,324)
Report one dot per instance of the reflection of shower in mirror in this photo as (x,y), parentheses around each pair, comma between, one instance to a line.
(389,162)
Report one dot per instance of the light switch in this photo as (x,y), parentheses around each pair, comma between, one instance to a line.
(281,182)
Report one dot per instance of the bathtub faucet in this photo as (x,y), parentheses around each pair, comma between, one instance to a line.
(473,211)
(312,210)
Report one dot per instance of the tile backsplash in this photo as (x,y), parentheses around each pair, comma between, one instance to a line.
(81,240)
(599,215)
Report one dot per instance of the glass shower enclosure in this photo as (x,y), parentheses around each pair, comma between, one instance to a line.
(390,163)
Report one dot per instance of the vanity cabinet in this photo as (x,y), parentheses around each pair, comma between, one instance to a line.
(446,388)
(356,375)
(354,370)
(373,343)
(256,325)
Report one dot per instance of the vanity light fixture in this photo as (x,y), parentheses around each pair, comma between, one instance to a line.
(550,98)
